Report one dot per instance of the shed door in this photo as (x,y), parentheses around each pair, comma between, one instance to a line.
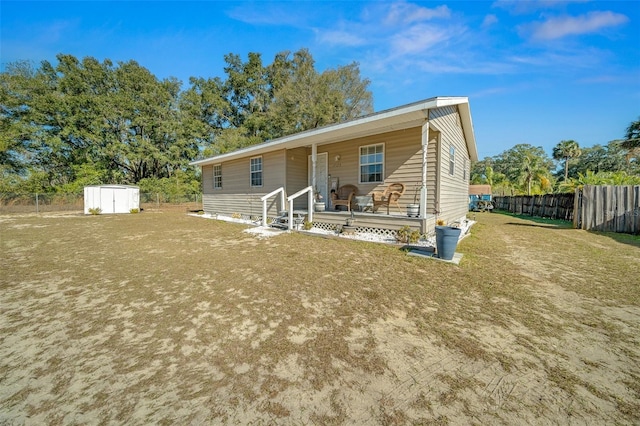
(121,201)
(107,200)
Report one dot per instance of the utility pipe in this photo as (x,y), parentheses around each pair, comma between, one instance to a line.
(423,188)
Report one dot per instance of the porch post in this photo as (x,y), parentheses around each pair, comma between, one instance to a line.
(314,159)
(423,188)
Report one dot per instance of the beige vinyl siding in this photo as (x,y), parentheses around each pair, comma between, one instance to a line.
(237,195)
(432,171)
(207,179)
(297,175)
(402,162)
(452,189)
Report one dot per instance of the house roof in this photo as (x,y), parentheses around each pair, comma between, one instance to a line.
(403,117)
(479,189)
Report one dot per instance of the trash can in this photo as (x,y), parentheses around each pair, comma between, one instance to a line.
(446,241)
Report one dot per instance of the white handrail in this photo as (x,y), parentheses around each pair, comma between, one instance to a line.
(308,190)
(264,199)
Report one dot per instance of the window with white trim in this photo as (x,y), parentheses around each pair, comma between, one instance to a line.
(256,171)
(217,176)
(372,163)
(452,160)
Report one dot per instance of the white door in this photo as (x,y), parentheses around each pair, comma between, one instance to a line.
(322,176)
(121,200)
(107,200)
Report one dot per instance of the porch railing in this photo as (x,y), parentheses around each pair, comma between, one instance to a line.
(308,190)
(264,200)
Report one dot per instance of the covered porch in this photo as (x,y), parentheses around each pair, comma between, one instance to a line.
(365,218)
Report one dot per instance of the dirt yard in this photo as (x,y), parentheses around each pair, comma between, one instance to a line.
(166,318)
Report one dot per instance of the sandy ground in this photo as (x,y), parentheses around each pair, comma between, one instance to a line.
(200,350)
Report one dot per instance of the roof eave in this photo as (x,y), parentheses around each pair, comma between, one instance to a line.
(393,119)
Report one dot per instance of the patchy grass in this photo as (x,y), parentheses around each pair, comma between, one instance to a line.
(165,317)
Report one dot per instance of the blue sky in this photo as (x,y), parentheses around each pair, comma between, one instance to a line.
(535,72)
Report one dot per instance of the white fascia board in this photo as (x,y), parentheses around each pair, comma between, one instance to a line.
(469,133)
(112,185)
(393,119)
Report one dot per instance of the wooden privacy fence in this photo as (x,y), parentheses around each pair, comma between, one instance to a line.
(605,208)
(608,208)
(555,206)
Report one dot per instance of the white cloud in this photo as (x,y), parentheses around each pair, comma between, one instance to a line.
(402,13)
(565,60)
(269,14)
(418,38)
(558,27)
(489,20)
(340,37)
(519,7)
(399,28)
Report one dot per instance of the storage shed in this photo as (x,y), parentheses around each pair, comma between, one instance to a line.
(480,197)
(111,198)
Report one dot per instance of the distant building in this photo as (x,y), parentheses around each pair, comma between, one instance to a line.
(480,197)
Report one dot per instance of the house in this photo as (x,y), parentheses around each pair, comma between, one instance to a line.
(427,145)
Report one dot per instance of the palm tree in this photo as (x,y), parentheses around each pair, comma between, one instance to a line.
(631,140)
(566,150)
(531,169)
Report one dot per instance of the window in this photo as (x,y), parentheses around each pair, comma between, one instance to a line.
(452,160)
(256,171)
(371,163)
(217,176)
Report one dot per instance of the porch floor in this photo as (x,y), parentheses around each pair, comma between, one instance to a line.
(369,221)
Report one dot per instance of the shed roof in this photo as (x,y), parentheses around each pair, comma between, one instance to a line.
(112,185)
(479,189)
(403,117)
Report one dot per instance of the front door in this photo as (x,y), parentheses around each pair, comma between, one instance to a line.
(322,176)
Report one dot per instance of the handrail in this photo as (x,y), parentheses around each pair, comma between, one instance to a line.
(308,190)
(264,199)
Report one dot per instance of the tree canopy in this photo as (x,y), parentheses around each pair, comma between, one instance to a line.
(525,169)
(81,122)
(262,102)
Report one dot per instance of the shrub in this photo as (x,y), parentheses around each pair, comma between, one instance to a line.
(307,225)
(134,211)
(406,235)
(95,210)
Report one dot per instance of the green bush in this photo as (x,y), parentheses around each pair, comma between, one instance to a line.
(406,235)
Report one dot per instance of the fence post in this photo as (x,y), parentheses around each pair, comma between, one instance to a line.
(157,200)
(577,208)
(37,206)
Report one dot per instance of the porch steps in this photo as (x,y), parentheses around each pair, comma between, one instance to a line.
(282,220)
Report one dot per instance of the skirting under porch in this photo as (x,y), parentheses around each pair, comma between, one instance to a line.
(365,222)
